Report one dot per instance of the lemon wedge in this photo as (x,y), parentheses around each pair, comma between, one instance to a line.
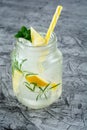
(16,80)
(37,80)
(37,39)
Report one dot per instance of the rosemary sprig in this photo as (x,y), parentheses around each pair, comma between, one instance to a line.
(41,89)
(38,96)
(46,86)
(42,92)
(55,86)
(29,87)
(22,63)
(34,86)
(30,73)
(17,66)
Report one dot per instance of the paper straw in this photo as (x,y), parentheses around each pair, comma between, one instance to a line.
(53,23)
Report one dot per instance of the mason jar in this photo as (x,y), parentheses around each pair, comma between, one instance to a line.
(37,73)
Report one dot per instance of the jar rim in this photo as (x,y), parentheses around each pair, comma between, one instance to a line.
(52,40)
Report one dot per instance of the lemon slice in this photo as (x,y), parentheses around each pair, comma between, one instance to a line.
(37,80)
(37,39)
(16,80)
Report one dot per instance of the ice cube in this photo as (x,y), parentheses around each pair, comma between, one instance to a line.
(24,41)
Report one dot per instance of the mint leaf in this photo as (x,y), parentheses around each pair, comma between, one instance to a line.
(24,33)
(23,29)
(19,34)
(29,31)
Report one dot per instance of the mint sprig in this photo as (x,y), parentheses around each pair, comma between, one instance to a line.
(24,33)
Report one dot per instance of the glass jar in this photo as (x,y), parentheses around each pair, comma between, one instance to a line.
(37,73)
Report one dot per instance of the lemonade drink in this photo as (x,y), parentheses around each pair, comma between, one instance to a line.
(37,66)
(37,73)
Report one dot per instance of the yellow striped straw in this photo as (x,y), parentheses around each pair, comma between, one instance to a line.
(53,23)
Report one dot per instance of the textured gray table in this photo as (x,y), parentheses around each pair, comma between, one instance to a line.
(70,112)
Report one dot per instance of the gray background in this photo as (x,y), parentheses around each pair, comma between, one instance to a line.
(70,112)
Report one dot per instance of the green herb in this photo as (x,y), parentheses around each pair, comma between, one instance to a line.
(46,87)
(38,96)
(17,66)
(22,63)
(42,91)
(24,33)
(29,86)
(30,73)
(35,85)
(55,86)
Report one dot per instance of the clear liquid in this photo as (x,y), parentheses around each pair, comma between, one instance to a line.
(48,68)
